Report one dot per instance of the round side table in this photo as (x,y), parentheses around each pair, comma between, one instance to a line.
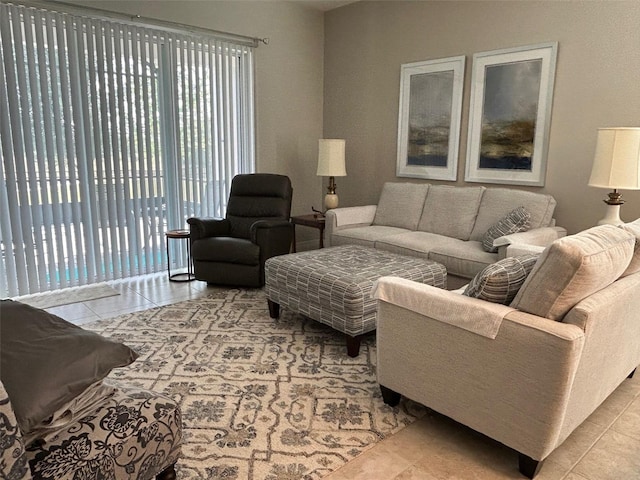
(187,276)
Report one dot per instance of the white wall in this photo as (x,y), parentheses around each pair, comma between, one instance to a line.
(596,83)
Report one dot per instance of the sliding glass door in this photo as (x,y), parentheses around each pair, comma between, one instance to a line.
(110,134)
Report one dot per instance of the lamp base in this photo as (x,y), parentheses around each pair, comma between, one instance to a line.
(612,217)
(331,201)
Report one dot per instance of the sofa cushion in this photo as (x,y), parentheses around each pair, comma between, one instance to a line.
(497,202)
(500,281)
(364,236)
(574,267)
(46,361)
(515,221)
(451,211)
(400,204)
(463,259)
(634,265)
(416,244)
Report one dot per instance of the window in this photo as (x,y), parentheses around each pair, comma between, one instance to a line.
(110,134)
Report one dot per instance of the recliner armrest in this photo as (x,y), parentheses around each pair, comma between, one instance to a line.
(272,235)
(208,227)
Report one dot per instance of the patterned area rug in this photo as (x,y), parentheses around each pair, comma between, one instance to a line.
(261,399)
(66,296)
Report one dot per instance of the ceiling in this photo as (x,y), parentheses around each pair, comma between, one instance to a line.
(325,5)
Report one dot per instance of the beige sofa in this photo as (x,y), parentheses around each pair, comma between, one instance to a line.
(443,223)
(529,373)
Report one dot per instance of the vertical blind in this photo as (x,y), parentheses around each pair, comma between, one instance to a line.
(111,134)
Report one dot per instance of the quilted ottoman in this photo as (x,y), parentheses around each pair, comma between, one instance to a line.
(333,285)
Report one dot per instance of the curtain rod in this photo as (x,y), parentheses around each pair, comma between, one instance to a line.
(174,27)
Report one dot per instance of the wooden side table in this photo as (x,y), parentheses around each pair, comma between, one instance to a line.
(182,276)
(313,220)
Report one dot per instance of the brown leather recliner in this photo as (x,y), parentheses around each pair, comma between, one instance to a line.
(232,251)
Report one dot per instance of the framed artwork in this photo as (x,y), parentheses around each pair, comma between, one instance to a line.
(510,115)
(429,118)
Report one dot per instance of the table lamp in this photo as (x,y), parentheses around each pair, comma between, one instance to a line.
(616,165)
(331,164)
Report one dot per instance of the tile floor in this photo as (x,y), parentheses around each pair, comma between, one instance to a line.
(605,447)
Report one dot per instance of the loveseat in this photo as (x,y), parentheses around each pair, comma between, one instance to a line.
(528,371)
(60,421)
(443,223)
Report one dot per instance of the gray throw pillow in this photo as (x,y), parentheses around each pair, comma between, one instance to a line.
(46,361)
(513,222)
(500,281)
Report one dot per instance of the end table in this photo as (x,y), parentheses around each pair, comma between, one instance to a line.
(187,276)
(313,220)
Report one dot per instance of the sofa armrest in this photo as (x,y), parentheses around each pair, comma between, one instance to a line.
(537,237)
(514,388)
(208,227)
(347,217)
(453,308)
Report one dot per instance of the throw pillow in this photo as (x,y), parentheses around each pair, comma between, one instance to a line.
(46,361)
(500,281)
(634,266)
(573,268)
(513,222)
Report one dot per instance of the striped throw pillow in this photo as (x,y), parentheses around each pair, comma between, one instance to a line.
(500,281)
(513,222)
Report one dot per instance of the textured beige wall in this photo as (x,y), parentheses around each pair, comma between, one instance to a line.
(288,77)
(597,84)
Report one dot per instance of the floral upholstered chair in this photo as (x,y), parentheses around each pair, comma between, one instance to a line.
(59,420)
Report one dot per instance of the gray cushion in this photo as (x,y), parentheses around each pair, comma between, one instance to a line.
(500,281)
(497,202)
(515,221)
(400,204)
(46,361)
(451,211)
(573,268)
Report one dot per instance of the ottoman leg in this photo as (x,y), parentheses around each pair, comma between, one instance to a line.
(274,309)
(353,345)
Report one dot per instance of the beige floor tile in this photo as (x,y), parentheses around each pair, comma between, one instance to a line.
(414,473)
(574,476)
(73,312)
(614,457)
(579,442)
(612,407)
(629,422)
(376,463)
(106,307)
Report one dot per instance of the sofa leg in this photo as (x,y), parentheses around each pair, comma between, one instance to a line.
(168,473)
(353,345)
(274,309)
(631,374)
(528,466)
(390,397)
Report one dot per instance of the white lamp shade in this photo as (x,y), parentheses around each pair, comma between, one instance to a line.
(617,159)
(331,158)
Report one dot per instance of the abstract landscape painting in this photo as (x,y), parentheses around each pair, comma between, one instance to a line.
(510,114)
(429,118)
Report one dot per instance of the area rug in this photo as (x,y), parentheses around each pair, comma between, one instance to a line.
(261,399)
(65,296)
